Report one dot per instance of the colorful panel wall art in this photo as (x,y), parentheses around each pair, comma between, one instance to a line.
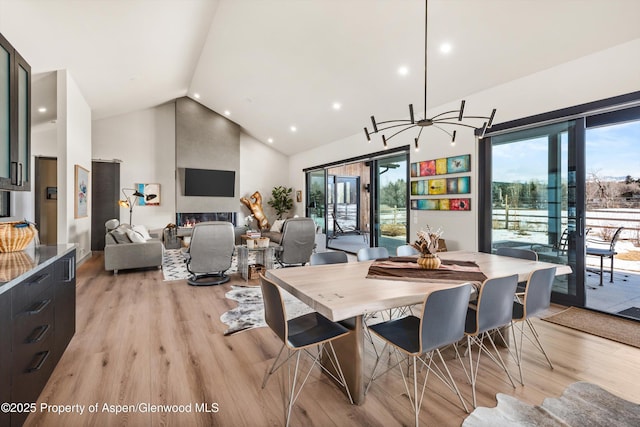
(456,164)
(440,186)
(441,204)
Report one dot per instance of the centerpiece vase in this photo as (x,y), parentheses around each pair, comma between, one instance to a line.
(429,261)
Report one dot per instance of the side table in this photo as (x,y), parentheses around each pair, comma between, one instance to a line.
(264,256)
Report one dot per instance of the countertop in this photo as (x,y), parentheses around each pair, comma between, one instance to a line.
(17,266)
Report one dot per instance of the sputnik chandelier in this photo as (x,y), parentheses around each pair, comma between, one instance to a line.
(453,117)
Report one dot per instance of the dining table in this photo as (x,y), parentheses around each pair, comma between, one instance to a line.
(347,292)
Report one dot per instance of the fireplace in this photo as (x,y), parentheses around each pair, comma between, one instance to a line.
(184,219)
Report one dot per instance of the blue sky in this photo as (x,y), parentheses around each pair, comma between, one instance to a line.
(612,151)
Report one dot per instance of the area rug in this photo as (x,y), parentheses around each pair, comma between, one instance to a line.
(174,267)
(603,325)
(581,404)
(631,312)
(250,311)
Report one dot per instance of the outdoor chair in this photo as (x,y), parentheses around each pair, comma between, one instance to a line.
(603,253)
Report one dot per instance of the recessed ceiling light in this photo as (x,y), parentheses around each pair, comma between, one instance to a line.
(196,95)
(446,47)
(293,128)
(42,110)
(403,70)
(270,140)
(337,106)
(227,112)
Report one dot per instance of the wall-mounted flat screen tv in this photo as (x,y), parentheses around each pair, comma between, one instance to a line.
(207,182)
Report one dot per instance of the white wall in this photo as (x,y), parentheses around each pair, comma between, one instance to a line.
(601,75)
(261,169)
(73,148)
(145,142)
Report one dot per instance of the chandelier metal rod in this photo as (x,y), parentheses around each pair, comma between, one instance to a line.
(451,117)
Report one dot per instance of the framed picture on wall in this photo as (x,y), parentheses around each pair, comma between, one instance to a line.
(81,190)
(151,194)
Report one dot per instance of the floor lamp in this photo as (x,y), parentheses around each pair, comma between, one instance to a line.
(131,199)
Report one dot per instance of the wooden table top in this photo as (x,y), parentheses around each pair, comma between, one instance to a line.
(342,291)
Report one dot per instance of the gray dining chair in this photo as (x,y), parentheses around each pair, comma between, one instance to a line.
(492,311)
(520,253)
(299,336)
(419,340)
(368,254)
(406,250)
(321,258)
(535,299)
(517,253)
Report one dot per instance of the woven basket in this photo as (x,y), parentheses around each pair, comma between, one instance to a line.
(12,238)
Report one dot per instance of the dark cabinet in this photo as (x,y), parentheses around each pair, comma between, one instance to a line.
(15,119)
(5,353)
(37,321)
(65,308)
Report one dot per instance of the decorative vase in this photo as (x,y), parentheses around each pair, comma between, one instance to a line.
(429,261)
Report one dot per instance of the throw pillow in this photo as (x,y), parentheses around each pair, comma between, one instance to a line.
(143,231)
(277,226)
(135,236)
(120,236)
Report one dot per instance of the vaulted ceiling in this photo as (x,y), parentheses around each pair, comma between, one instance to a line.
(273,64)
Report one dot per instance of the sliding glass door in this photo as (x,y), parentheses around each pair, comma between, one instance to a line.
(537,199)
(389,213)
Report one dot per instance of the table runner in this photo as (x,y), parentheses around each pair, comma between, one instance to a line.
(407,268)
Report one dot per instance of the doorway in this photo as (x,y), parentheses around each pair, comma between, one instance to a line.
(535,199)
(361,202)
(612,204)
(46,199)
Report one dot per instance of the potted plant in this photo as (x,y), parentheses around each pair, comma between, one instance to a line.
(281,200)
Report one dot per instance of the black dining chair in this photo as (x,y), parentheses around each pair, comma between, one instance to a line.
(492,311)
(534,300)
(419,339)
(299,336)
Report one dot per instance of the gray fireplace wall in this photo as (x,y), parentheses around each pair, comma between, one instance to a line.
(205,140)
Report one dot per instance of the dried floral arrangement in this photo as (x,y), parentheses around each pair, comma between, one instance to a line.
(427,242)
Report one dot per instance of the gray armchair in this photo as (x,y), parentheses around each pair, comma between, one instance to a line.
(210,253)
(297,243)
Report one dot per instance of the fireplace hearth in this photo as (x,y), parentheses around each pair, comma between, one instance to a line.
(189,219)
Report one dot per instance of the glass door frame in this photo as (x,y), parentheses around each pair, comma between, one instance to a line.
(583,114)
(372,157)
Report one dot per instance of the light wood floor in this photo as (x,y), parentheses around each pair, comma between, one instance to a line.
(141,340)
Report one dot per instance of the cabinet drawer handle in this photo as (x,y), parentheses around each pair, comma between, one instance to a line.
(40,279)
(20,180)
(41,306)
(14,181)
(39,333)
(42,357)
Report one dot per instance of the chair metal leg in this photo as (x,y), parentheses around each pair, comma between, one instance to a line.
(611,276)
(538,343)
(273,368)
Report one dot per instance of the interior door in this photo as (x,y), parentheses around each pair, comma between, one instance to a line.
(537,199)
